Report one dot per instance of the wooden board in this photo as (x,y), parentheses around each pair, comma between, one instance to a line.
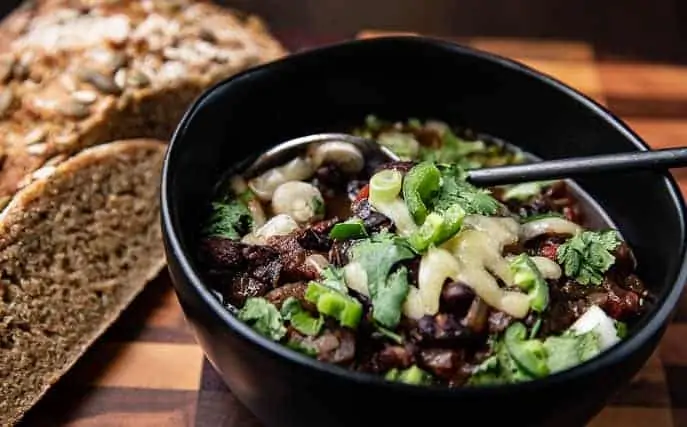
(148,371)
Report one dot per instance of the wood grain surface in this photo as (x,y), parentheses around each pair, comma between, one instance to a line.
(148,371)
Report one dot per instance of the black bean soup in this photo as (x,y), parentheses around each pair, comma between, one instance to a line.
(408,271)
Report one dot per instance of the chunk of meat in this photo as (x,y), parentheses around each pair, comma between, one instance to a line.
(220,253)
(445,364)
(622,304)
(316,237)
(402,167)
(239,271)
(394,356)
(442,330)
(335,345)
(456,298)
(373,221)
(625,262)
(293,256)
(498,321)
(278,295)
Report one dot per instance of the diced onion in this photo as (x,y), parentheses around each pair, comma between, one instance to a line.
(551,225)
(595,319)
(356,278)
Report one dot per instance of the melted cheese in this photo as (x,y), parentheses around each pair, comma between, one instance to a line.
(473,257)
(398,212)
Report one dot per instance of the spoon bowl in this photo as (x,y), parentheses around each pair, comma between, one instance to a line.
(660,160)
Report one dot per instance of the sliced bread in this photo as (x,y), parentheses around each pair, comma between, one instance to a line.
(75,73)
(77,244)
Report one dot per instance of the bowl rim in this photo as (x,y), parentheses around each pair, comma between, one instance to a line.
(648,328)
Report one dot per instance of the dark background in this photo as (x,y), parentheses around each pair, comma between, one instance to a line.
(628,29)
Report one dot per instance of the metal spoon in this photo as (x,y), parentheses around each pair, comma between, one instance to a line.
(511,174)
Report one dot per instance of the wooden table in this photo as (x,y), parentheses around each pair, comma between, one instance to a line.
(148,371)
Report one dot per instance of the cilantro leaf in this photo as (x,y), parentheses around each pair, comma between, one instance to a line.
(377,255)
(456,190)
(569,349)
(230,219)
(587,256)
(333,278)
(264,317)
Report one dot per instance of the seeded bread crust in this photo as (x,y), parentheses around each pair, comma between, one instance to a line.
(76,73)
(76,246)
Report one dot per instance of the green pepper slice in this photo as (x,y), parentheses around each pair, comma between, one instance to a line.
(428,233)
(300,319)
(529,354)
(419,185)
(351,229)
(348,311)
(526,276)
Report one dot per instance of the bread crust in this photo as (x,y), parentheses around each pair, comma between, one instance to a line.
(11,231)
(142,64)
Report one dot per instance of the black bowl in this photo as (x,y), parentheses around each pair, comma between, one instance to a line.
(396,78)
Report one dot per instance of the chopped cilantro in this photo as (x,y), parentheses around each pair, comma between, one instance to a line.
(317,206)
(333,278)
(264,317)
(230,219)
(587,256)
(569,349)
(456,190)
(377,255)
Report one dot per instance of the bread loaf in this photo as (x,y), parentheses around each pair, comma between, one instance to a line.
(79,236)
(76,245)
(74,73)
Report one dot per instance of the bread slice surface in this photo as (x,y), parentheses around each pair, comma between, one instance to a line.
(77,244)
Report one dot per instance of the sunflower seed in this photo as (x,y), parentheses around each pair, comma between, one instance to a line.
(85,96)
(103,83)
(73,109)
(43,172)
(35,136)
(138,79)
(6,65)
(37,149)
(120,78)
(6,98)
(54,161)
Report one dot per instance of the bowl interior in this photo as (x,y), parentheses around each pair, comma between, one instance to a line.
(397,78)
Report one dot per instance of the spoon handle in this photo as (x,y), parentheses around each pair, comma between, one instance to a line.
(577,166)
